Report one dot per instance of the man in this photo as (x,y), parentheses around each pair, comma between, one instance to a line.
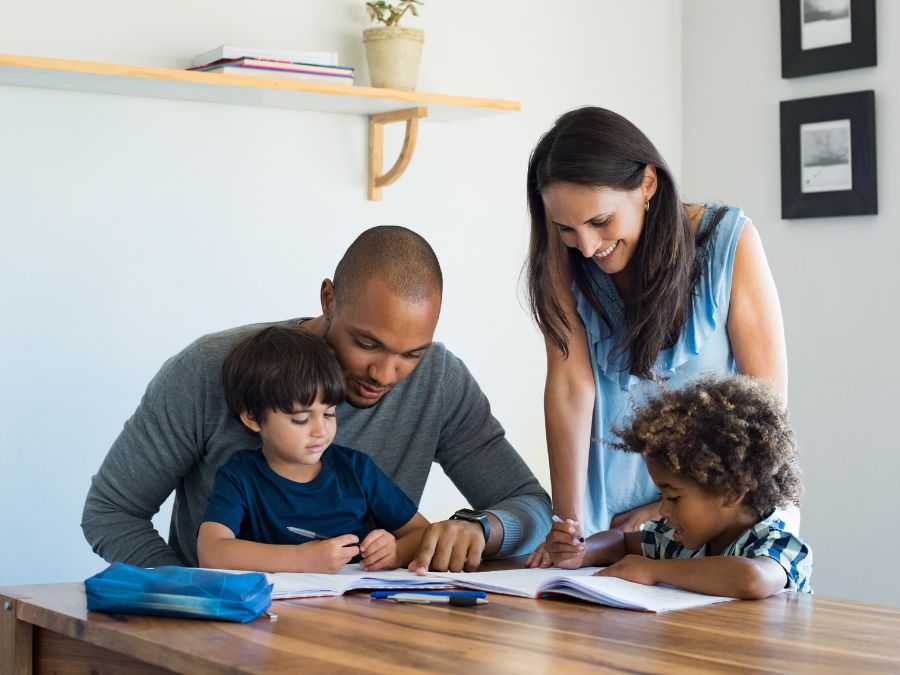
(410,403)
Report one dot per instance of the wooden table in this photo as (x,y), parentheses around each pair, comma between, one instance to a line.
(46,628)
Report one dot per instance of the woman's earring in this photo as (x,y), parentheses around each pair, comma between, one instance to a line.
(646,205)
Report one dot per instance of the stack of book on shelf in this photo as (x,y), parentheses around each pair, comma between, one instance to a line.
(307,66)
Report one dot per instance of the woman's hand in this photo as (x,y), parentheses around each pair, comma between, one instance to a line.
(631,521)
(566,545)
(540,557)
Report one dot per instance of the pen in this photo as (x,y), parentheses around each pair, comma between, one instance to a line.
(557,519)
(309,534)
(425,599)
(389,595)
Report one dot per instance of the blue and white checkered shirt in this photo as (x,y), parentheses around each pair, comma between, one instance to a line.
(767,538)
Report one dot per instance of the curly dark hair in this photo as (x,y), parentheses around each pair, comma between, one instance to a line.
(727,433)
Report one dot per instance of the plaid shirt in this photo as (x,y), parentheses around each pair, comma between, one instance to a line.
(767,538)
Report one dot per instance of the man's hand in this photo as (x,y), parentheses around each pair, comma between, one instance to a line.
(631,521)
(379,551)
(453,545)
(330,555)
(635,568)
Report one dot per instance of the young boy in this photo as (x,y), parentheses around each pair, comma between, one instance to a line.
(722,454)
(299,503)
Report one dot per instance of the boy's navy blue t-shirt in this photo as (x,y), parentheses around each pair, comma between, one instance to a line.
(351,495)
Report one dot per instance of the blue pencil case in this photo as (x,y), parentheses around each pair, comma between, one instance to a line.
(185,592)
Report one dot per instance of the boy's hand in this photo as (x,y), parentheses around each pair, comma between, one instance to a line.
(563,545)
(379,551)
(330,555)
(635,568)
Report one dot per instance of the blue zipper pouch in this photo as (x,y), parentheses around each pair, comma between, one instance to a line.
(185,592)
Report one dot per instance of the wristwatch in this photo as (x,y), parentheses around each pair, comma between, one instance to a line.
(475,517)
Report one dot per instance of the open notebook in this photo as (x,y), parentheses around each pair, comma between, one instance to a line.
(528,583)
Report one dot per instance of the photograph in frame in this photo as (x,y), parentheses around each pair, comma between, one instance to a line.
(828,157)
(823,36)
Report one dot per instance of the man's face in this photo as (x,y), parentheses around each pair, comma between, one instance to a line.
(379,338)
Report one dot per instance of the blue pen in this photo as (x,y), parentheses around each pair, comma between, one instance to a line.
(309,534)
(382,595)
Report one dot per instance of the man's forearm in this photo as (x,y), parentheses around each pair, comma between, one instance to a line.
(524,521)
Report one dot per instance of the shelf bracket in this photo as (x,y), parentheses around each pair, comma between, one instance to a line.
(377,179)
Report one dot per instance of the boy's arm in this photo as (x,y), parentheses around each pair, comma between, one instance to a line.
(610,546)
(731,576)
(218,548)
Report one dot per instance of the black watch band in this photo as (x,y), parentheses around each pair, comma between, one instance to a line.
(475,517)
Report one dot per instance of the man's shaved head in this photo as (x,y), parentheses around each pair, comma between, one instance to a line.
(399,257)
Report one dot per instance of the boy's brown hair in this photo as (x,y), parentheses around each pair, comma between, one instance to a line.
(729,434)
(279,368)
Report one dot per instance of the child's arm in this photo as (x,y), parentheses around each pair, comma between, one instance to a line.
(217,547)
(385,550)
(731,576)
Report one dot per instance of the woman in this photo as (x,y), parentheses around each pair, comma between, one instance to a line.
(633,290)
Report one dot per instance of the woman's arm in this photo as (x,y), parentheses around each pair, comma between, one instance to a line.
(755,326)
(569,394)
(727,576)
(218,548)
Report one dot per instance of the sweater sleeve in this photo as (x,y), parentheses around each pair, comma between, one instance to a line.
(475,455)
(158,446)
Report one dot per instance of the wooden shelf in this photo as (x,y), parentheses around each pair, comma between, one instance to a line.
(107,78)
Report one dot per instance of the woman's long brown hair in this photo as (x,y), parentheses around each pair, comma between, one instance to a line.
(598,148)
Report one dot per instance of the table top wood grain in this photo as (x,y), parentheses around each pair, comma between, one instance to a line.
(354,633)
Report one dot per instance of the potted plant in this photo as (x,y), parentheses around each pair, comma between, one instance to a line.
(393,53)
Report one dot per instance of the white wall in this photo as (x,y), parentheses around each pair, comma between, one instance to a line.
(838,294)
(129,226)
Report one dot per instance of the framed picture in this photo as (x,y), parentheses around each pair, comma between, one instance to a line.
(828,156)
(821,36)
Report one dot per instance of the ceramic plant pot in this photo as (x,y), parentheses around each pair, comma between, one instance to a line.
(393,54)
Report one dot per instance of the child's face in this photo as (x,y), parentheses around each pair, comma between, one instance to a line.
(299,437)
(698,517)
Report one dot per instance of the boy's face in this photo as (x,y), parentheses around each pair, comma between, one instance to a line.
(379,338)
(698,517)
(296,440)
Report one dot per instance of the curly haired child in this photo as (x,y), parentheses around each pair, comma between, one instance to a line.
(723,456)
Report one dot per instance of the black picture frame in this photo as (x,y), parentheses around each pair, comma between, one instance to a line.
(828,156)
(860,52)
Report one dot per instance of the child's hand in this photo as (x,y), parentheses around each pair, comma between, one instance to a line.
(379,551)
(564,546)
(330,555)
(635,568)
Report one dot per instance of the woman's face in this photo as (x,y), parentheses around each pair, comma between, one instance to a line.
(602,224)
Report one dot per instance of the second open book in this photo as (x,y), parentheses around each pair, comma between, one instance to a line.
(528,583)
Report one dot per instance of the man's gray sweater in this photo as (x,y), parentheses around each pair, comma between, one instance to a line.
(182,432)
